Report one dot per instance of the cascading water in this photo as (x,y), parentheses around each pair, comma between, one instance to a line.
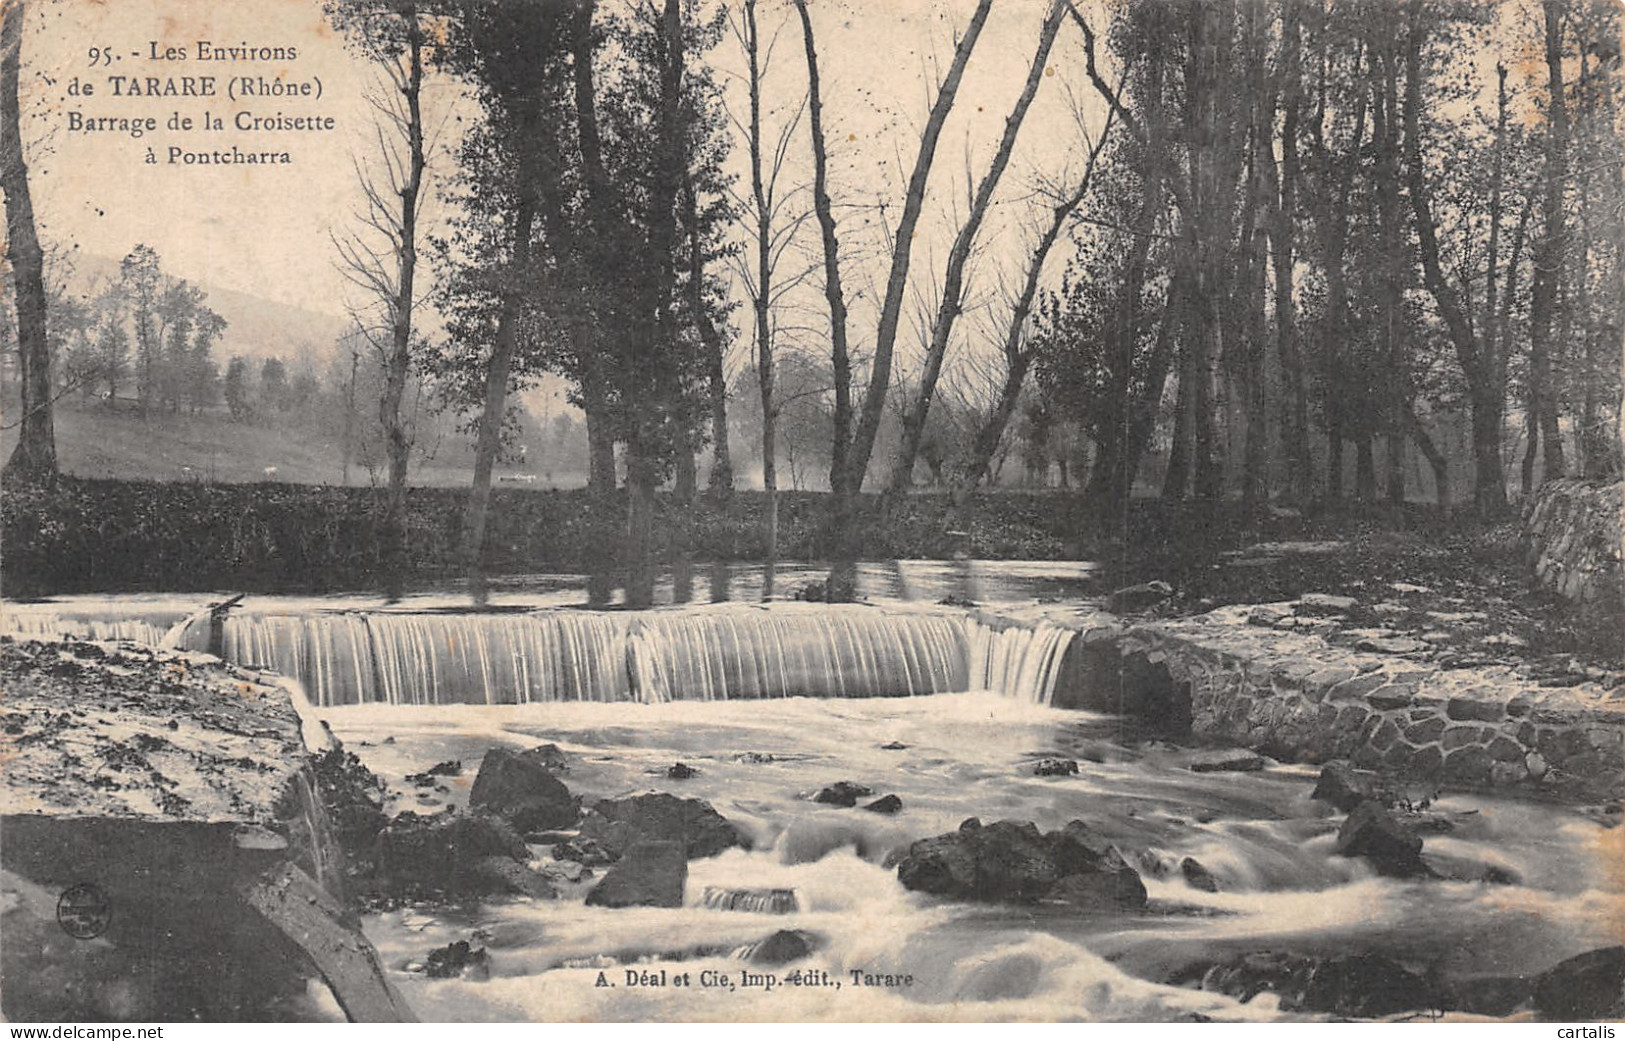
(842,651)
(406,659)
(1020,661)
(36,624)
(700,654)
(1513,888)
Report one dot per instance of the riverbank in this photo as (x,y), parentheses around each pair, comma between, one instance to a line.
(84,536)
(120,536)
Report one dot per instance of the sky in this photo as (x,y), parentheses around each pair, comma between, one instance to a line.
(267,229)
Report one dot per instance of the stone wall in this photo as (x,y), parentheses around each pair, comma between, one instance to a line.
(1225,677)
(1575,541)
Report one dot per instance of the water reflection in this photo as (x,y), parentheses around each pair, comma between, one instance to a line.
(929,581)
(926,581)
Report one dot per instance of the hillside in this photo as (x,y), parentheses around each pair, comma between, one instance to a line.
(258,327)
(97,443)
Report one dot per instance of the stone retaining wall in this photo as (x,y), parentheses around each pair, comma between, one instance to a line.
(1575,541)
(1296,697)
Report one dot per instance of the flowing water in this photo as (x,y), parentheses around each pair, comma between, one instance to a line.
(770,704)
(1267,844)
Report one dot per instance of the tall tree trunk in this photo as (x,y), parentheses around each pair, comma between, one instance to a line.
(763,302)
(643,447)
(1112,477)
(842,495)
(35,454)
(1396,260)
(398,363)
(1549,255)
(488,436)
(685,479)
(601,423)
(1295,427)
(1176,479)
(1333,222)
(601,480)
(721,483)
(1143,414)
(1489,492)
(1365,469)
(948,308)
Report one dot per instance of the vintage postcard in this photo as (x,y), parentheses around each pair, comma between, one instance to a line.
(812,511)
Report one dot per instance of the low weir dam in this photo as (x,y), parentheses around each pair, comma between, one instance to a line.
(1220,677)
(721,653)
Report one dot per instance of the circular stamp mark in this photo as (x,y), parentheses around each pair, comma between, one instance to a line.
(83,911)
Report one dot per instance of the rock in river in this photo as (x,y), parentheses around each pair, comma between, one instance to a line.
(616,824)
(469,854)
(520,788)
(1586,986)
(1359,985)
(649,874)
(784,947)
(1012,861)
(843,793)
(458,959)
(1345,787)
(1376,834)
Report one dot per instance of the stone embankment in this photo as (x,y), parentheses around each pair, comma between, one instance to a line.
(1576,542)
(166,855)
(1290,681)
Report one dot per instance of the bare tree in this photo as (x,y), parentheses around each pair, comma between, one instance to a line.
(952,300)
(35,454)
(1017,346)
(850,460)
(774,232)
(381,258)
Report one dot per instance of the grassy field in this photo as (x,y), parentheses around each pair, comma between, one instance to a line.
(96,442)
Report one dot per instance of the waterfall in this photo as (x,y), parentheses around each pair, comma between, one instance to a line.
(719,652)
(1018,661)
(38,624)
(844,651)
(418,659)
(759,901)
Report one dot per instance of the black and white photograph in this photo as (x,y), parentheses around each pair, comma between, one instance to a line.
(812,511)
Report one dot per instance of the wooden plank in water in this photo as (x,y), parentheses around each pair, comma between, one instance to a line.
(310,917)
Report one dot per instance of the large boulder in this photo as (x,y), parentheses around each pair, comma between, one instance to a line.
(616,824)
(520,788)
(1356,985)
(1586,986)
(1345,787)
(464,854)
(1012,861)
(1374,833)
(649,874)
(1197,876)
(784,947)
(1111,886)
(843,793)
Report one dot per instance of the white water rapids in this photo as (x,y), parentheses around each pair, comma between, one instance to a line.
(628,694)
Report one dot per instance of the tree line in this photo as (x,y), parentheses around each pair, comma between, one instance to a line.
(1288,243)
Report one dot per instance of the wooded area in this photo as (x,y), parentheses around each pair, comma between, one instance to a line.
(1285,232)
